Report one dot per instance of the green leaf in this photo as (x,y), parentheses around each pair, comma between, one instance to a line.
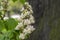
(2,26)
(10,35)
(14,0)
(11,24)
(1,37)
(0,14)
(22,1)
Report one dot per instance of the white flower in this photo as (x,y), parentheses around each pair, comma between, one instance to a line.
(16,16)
(27,13)
(31,11)
(22,16)
(32,19)
(20,19)
(22,9)
(27,3)
(5,18)
(17,28)
(28,6)
(27,21)
(26,31)
(22,36)
(29,29)
(20,25)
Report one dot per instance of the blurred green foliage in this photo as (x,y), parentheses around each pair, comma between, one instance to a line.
(11,24)
(7,31)
(22,1)
(7,27)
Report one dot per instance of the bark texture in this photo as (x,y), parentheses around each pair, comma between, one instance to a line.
(47,16)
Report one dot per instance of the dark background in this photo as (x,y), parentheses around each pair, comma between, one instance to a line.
(47,17)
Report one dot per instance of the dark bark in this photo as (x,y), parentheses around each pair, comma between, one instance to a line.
(47,14)
(39,7)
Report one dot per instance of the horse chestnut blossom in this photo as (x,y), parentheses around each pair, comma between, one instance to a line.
(31,28)
(19,26)
(28,29)
(32,19)
(27,22)
(22,36)
(26,19)
(22,9)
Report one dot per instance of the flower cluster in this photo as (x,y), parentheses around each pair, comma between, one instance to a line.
(26,19)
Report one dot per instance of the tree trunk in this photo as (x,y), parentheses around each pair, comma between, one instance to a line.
(46,13)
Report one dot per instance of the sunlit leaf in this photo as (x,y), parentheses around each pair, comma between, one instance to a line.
(11,24)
